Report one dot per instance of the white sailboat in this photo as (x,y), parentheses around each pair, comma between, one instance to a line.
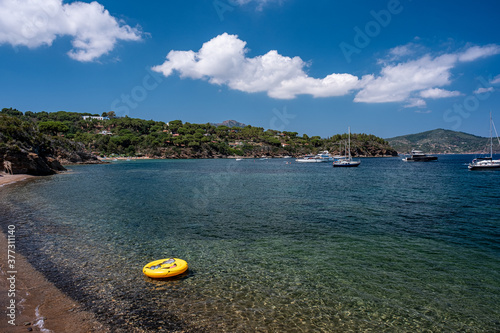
(487,163)
(346,162)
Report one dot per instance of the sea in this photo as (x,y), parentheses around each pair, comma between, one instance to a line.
(272,245)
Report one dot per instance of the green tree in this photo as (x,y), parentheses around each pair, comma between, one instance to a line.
(30,114)
(174,125)
(11,112)
(194,144)
(52,127)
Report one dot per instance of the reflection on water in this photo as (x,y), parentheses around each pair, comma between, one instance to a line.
(271,247)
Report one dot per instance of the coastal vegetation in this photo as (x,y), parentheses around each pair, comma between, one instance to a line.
(107,135)
(36,148)
(440,141)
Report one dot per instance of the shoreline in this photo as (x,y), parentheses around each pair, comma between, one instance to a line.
(228,157)
(6,178)
(39,304)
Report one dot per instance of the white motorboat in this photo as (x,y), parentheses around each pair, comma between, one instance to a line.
(322,156)
(419,156)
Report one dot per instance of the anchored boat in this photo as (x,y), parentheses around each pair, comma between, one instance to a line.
(419,156)
(343,161)
(487,163)
(322,156)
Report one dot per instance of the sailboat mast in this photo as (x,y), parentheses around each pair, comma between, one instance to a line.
(349,143)
(491,136)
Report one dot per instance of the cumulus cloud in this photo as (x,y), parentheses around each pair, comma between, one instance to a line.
(400,82)
(438,93)
(34,23)
(223,61)
(397,82)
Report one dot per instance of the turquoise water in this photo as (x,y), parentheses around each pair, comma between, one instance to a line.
(272,246)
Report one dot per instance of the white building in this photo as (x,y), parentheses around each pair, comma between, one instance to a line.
(92,117)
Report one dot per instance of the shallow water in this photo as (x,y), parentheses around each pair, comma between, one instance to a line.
(272,246)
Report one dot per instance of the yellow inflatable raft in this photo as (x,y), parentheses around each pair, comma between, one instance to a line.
(165,268)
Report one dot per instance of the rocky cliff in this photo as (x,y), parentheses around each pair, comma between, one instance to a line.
(23,149)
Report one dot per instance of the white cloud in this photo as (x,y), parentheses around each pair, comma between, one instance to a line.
(435,93)
(402,81)
(404,51)
(397,82)
(34,23)
(260,3)
(476,52)
(223,61)
(415,102)
(483,90)
(495,80)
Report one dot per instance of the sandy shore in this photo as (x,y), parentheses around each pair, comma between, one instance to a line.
(39,305)
(5,178)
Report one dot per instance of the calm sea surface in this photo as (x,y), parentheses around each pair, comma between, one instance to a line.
(272,246)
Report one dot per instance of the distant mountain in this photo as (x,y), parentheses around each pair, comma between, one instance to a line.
(440,141)
(230,123)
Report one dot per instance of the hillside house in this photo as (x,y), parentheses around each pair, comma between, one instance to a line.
(92,117)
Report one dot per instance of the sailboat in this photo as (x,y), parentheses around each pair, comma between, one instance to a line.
(346,162)
(487,163)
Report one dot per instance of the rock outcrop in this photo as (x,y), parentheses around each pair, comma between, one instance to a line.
(27,150)
(25,162)
(32,163)
(80,156)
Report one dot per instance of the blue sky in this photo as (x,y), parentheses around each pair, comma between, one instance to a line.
(382,67)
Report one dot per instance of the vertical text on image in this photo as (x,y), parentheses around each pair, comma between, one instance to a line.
(11,274)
